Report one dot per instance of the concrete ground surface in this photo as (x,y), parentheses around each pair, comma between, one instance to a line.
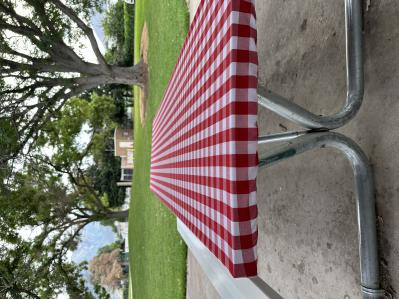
(308,245)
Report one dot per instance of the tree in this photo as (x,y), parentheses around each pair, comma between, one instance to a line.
(109,247)
(39,199)
(106,269)
(118,23)
(113,23)
(58,193)
(41,64)
(26,272)
(94,117)
(105,174)
(8,144)
(123,98)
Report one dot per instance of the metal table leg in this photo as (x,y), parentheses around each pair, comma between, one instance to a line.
(279,137)
(300,142)
(355,84)
(365,200)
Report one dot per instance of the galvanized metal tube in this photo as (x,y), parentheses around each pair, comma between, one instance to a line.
(365,200)
(354,76)
(280,137)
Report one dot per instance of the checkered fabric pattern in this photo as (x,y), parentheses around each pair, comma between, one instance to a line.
(204,145)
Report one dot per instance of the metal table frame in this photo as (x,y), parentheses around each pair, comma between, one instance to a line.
(318,135)
(354,77)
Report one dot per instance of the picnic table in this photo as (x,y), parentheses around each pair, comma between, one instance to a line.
(204,159)
(204,147)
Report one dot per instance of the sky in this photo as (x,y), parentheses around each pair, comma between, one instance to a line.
(94,236)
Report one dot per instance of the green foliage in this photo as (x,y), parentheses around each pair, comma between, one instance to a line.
(38,199)
(36,195)
(30,199)
(128,44)
(8,137)
(105,177)
(87,6)
(113,23)
(95,117)
(27,273)
(122,97)
(118,27)
(101,292)
(108,248)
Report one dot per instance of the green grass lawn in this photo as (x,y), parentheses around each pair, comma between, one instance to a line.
(157,254)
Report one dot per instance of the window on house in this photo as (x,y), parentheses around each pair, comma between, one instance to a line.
(127,174)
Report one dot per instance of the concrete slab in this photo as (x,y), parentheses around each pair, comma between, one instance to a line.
(198,284)
(307,217)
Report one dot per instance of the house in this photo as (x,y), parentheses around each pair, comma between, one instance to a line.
(124,148)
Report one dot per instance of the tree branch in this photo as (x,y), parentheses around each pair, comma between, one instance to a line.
(82,25)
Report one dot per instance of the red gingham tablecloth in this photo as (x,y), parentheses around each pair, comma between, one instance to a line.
(204,144)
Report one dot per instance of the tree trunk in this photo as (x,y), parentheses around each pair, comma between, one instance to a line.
(98,75)
(119,215)
(134,75)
